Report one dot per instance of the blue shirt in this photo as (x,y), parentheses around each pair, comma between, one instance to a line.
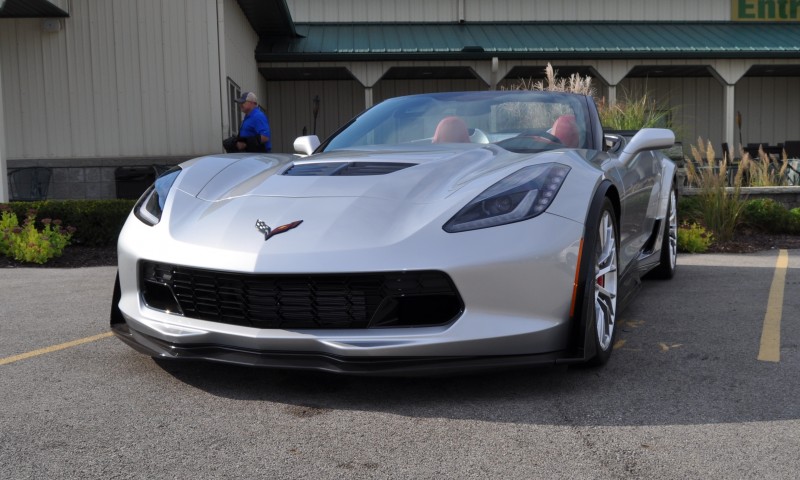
(256,123)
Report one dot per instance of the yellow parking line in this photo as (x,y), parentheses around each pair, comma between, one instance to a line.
(54,348)
(770,350)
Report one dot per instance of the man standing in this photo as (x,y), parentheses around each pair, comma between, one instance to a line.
(254,135)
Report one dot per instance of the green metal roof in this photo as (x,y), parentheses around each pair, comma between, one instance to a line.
(29,9)
(585,40)
(268,18)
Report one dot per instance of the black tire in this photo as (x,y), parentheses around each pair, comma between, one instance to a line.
(602,283)
(669,243)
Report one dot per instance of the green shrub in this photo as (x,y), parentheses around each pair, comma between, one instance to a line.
(8,222)
(794,221)
(694,238)
(767,215)
(98,222)
(689,209)
(27,244)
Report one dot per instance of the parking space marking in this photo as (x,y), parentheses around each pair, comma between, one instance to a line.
(770,349)
(54,348)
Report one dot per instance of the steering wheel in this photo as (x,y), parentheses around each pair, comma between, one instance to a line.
(541,133)
(534,139)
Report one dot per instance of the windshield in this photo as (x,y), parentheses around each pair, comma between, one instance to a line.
(522,121)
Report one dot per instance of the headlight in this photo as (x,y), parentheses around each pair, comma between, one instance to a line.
(150,206)
(524,194)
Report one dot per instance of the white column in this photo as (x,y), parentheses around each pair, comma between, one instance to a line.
(612,72)
(729,117)
(367,97)
(728,72)
(612,94)
(495,69)
(491,72)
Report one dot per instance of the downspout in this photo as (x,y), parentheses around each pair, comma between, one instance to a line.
(223,76)
(3,170)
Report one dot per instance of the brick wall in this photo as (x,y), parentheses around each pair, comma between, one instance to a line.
(97,179)
(788,196)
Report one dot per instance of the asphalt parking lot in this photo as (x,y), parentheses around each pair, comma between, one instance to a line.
(702,384)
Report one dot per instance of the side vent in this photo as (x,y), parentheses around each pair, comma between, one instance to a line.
(346,169)
(650,244)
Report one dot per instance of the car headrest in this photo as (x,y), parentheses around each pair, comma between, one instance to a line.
(566,129)
(451,130)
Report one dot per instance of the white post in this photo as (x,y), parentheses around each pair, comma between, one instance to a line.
(612,72)
(728,73)
(495,68)
(612,94)
(367,97)
(729,119)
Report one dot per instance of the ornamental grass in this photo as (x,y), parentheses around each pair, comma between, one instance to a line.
(720,206)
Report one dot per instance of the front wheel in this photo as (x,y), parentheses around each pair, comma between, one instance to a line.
(602,284)
(669,243)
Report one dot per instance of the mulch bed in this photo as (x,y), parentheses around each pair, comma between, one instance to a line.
(79,256)
(750,242)
(74,256)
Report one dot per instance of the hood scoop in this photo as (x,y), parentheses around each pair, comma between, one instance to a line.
(344,169)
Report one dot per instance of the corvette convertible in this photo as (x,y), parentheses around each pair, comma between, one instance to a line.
(432,233)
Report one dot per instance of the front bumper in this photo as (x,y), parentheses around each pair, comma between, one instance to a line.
(515,303)
(322,361)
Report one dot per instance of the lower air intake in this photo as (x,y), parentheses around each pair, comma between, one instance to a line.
(338,301)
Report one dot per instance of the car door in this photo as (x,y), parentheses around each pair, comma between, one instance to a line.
(641,185)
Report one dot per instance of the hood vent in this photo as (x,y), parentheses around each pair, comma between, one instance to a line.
(344,169)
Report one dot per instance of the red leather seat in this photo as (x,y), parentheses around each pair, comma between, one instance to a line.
(451,130)
(566,129)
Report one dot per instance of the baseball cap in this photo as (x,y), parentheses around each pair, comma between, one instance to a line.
(247,97)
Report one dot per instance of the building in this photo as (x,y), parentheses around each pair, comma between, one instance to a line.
(91,88)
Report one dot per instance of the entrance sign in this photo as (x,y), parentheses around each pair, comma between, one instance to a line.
(765,10)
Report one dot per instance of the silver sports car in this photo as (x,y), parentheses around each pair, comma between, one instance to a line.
(433,232)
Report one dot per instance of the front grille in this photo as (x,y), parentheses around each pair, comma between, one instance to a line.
(340,301)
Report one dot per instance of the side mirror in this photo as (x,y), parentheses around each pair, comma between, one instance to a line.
(650,139)
(306,145)
(613,142)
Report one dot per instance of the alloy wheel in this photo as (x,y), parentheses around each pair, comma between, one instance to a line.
(605,281)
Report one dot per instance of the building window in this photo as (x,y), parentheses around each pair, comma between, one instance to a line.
(234,114)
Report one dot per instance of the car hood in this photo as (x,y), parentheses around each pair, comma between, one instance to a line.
(219,200)
(431,174)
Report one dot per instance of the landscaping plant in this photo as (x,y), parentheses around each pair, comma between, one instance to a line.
(762,171)
(25,243)
(629,114)
(767,215)
(98,222)
(633,114)
(552,83)
(693,238)
(720,207)
(794,222)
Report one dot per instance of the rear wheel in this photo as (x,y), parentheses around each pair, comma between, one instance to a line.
(669,244)
(602,280)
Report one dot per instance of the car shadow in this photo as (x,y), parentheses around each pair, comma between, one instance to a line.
(676,362)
